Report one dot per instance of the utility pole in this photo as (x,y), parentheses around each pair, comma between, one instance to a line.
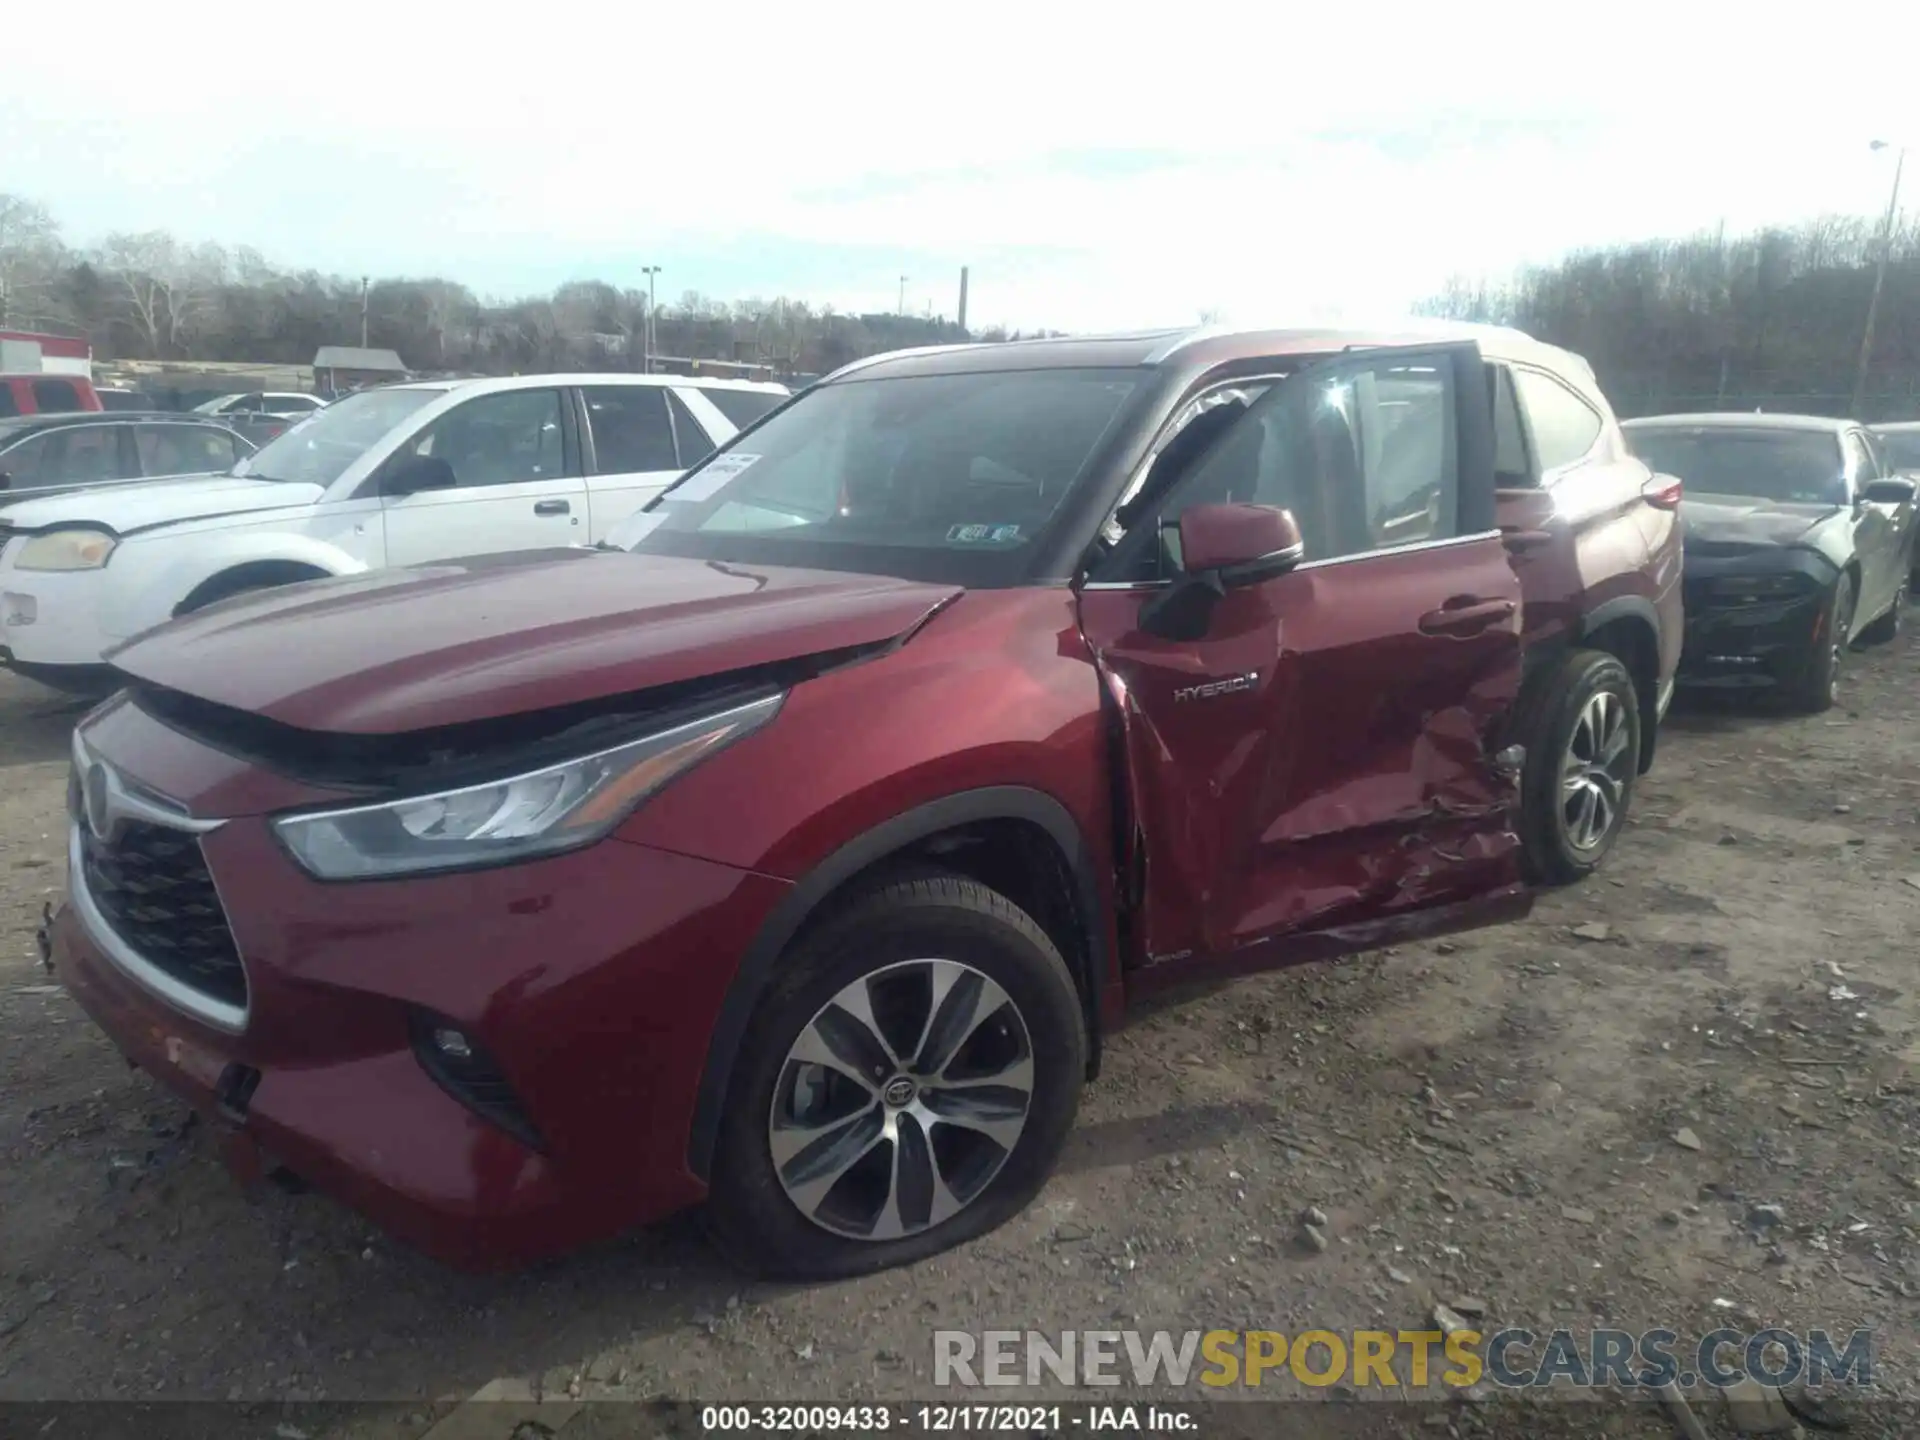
(648,337)
(1879,280)
(901,309)
(963,301)
(363,312)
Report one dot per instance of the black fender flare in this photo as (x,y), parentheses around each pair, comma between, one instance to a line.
(1632,607)
(966,807)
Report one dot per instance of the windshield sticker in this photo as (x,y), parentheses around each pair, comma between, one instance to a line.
(711,480)
(983,534)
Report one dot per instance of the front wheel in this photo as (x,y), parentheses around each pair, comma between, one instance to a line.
(906,1085)
(1581,729)
(1818,689)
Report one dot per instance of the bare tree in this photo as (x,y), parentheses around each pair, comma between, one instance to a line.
(31,257)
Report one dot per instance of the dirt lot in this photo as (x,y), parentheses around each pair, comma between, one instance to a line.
(1494,1117)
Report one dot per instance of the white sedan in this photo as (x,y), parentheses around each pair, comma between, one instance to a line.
(402,475)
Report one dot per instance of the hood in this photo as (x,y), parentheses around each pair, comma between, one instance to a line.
(400,650)
(142,504)
(1741,520)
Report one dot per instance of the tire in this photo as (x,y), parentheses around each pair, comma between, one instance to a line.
(876,950)
(1587,698)
(1887,627)
(1818,687)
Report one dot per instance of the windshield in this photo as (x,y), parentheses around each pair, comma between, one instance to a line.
(318,450)
(1801,467)
(943,477)
(1902,448)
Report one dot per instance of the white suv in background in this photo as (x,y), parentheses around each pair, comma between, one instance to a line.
(402,475)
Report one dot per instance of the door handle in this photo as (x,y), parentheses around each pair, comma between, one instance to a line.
(1466,615)
(552,507)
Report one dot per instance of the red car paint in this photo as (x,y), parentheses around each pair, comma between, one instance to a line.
(1318,774)
(51,393)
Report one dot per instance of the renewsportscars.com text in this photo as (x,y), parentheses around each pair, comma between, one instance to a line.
(1395,1359)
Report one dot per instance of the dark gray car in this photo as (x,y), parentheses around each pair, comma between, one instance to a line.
(46,454)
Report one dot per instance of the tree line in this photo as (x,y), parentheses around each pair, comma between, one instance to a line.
(1770,319)
(151,295)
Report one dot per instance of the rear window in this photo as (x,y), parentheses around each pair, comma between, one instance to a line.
(742,407)
(1799,467)
(54,396)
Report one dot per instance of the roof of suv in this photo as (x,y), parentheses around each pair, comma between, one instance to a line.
(1742,420)
(490,384)
(1201,348)
(1897,427)
(14,425)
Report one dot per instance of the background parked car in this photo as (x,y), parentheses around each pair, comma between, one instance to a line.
(46,454)
(114,397)
(1800,540)
(46,395)
(292,403)
(402,475)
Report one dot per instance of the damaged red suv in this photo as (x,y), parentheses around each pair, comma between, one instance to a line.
(795,854)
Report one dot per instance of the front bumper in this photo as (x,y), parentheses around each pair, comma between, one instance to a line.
(50,621)
(1749,645)
(593,979)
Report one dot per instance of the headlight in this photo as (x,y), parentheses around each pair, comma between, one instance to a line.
(1760,587)
(66,550)
(559,808)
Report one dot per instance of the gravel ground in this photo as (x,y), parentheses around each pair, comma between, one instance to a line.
(1570,1120)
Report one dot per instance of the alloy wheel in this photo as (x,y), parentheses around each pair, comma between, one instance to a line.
(900,1100)
(1595,771)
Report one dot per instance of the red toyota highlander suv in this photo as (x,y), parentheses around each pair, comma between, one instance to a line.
(795,854)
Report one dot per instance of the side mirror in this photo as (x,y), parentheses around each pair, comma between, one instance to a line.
(1222,547)
(416,473)
(1892,491)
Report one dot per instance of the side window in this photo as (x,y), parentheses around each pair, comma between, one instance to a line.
(1364,455)
(630,428)
(498,439)
(1511,468)
(83,455)
(54,396)
(695,443)
(9,407)
(1876,457)
(1860,466)
(183,449)
(23,464)
(1564,426)
(742,407)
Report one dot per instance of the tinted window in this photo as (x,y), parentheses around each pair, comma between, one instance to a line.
(321,447)
(630,428)
(22,463)
(695,443)
(8,405)
(1902,449)
(51,396)
(1791,466)
(939,476)
(1510,465)
(1362,454)
(742,407)
(183,449)
(85,454)
(496,440)
(1564,426)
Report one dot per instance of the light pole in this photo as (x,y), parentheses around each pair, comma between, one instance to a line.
(903,296)
(646,331)
(1879,277)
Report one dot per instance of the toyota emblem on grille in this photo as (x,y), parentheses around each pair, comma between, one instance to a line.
(98,795)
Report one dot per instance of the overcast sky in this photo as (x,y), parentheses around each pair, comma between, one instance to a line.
(1097,166)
